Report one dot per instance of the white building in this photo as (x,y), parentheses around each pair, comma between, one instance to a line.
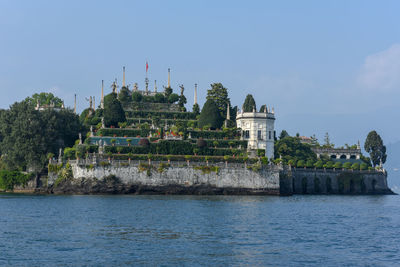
(258,129)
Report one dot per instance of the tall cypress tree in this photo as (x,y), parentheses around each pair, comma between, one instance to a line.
(113,111)
(210,115)
(374,146)
(249,104)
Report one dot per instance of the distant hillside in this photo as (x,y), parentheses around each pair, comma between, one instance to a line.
(392,165)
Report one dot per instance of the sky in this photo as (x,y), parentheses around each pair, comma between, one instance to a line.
(325,66)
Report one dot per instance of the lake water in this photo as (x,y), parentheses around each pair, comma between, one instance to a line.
(199,230)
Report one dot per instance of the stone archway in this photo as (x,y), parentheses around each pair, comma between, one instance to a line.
(317,185)
(304,185)
(328,185)
(373,185)
(352,187)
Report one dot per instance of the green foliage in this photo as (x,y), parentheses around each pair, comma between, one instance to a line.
(355,166)
(63,175)
(113,112)
(210,115)
(182,101)
(173,98)
(69,153)
(168,91)
(54,167)
(249,104)
(291,148)
(9,179)
(160,98)
(196,109)
(207,169)
(374,146)
(283,134)
(44,99)
(363,166)
(123,95)
(301,163)
(264,160)
(28,135)
(310,163)
(337,165)
(219,95)
(347,165)
(319,164)
(137,97)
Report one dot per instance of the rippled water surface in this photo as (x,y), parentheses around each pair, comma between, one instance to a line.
(199,230)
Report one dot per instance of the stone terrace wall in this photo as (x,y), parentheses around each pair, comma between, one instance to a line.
(232,177)
(310,181)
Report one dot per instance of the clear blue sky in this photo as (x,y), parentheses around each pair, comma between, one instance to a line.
(325,66)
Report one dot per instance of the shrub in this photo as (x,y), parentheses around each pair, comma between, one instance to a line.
(144,142)
(319,164)
(337,165)
(310,163)
(137,97)
(292,162)
(363,166)
(264,160)
(301,163)
(329,165)
(201,143)
(347,165)
(355,166)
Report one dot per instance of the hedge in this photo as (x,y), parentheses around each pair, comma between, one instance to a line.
(121,132)
(161,115)
(167,147)
(183,158)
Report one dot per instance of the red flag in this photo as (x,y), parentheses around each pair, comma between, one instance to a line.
(147,66)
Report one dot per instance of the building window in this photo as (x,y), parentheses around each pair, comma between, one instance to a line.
(259,135)
(246,134)
(269,133)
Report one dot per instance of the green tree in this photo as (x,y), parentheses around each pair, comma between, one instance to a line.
(159,98)
(182,101)
(44,99)
(123,95)
(210,116)
(168,91)
(173,98)
(327,141)
(249,104)
(374,146)
(291,148)
(219,94)
(29,135)
(113,112)
(283,134)
(262,108)
(137,97)
(196,109)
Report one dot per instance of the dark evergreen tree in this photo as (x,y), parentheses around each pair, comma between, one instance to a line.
(262,108)
(159,98)
(210,116)
(124,95)
(249,104)
(173,98)
(374,146)
(168,91)
(113,111)
(196,109)
(219,94)
(283,134)
(137,97)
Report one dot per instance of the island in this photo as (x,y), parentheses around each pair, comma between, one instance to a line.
(145,141)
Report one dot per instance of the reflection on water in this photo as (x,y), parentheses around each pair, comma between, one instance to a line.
(205,230)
